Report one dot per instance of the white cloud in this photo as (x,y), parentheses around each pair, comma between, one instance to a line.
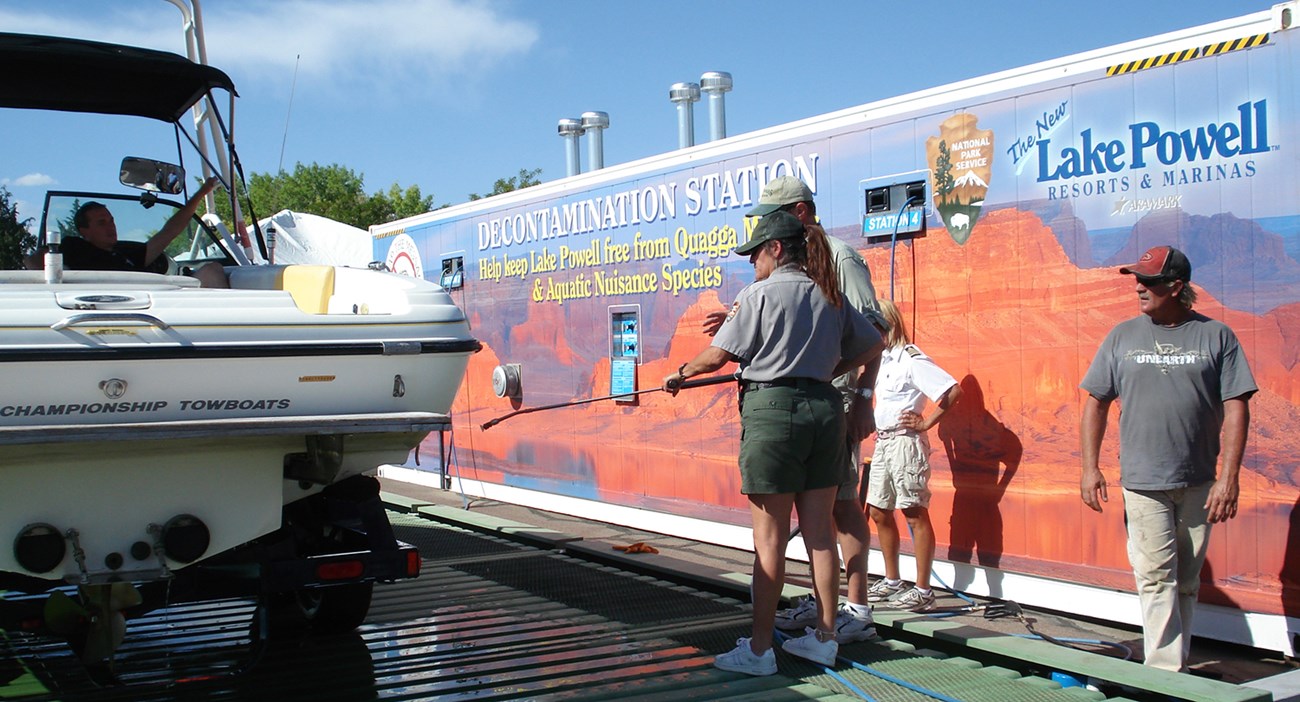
(31,180)
(388,43)
(124,24)
(332,40)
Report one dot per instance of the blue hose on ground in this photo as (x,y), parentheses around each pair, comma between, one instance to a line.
(779,637)
(901,683)
(961,595)
(935,576)
(883,676)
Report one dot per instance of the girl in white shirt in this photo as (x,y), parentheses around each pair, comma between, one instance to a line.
(900,466)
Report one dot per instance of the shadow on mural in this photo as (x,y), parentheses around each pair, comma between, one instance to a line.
(984,456)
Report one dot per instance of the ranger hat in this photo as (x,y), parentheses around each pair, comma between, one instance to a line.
(1161,263)
(778,225)
(778,193)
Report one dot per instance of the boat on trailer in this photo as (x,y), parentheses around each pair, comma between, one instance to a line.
(165,441)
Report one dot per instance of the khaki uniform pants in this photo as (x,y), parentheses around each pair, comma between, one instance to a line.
(1167,538)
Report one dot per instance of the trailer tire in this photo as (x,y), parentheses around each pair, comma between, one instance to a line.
(334,609)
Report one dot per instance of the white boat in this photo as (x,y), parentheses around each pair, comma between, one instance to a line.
(158,433)
(240,400)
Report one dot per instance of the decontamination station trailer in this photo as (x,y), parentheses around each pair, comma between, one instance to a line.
(995,211)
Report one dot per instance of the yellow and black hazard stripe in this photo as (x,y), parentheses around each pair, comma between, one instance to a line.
(1172,57)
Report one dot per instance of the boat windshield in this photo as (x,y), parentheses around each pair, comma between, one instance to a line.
(138,218)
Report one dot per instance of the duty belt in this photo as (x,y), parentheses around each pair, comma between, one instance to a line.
(751,385)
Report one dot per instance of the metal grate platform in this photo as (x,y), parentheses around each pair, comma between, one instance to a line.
(489,619)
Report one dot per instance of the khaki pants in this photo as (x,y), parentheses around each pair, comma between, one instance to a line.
(1167,539)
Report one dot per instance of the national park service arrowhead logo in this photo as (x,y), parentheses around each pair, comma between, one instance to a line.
(961,159)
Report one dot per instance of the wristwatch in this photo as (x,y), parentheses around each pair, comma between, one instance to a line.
(681,370)
(864,392)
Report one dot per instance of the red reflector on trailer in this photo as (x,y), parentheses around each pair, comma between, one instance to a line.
(412,563)
(340,570)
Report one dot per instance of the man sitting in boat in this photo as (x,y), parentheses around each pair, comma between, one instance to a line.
(98,248)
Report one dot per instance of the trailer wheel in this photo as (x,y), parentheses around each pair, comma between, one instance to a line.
(328,610)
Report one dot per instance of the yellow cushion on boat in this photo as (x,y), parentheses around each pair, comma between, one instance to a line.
(310,286)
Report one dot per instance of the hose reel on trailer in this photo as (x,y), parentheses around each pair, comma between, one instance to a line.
(507,381)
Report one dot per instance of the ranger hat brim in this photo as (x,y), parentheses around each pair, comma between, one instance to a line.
(779,192)
(777,225)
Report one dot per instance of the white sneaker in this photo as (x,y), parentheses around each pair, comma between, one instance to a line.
(913,601)
(797,618)
(741,659)
(810,648)
(850,627)
(881,590)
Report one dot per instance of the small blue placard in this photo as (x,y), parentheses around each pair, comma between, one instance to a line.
(622,378)
(884,223)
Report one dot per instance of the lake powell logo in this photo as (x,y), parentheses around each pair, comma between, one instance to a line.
(961,159)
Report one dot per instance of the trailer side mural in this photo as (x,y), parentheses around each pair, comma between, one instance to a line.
(1034,195)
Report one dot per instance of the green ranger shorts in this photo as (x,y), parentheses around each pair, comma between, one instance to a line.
(792,439)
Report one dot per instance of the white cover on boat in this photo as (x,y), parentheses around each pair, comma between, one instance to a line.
(312,239)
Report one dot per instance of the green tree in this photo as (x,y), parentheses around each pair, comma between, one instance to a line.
(525,179)
(943,180)
(332,191)
(15,241)
(397,203)
(68,225)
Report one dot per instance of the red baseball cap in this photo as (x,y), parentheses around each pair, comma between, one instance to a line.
(1161,263)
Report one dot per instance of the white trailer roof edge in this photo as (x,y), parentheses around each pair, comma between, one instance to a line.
(1019,77)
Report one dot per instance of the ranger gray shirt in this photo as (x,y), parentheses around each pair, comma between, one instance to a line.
(855,285)
(1171,383)
(784,327)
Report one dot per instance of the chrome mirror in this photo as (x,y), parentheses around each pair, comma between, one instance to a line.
(151,175)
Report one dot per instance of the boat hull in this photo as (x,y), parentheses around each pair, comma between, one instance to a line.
(110,390)
(138,412)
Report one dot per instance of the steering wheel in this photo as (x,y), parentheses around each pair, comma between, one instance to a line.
(164,264)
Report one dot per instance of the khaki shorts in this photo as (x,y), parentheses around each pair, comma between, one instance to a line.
(791,440)
(900,472)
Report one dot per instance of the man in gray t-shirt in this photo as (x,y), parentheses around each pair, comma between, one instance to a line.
(1183,384)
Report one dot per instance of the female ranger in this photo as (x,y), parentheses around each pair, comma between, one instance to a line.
(791,333)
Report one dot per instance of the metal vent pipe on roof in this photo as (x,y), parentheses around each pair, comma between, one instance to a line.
(684,95)
(570,129)
(595,124)
(715,84)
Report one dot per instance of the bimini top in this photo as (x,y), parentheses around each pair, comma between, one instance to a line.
(73,75)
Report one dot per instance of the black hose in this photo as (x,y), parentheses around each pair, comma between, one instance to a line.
(696,383)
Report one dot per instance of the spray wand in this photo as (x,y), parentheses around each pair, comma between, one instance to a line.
(695,383)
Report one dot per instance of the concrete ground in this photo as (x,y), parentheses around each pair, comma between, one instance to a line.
(1228,663)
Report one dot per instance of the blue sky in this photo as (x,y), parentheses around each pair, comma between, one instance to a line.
(450,95)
